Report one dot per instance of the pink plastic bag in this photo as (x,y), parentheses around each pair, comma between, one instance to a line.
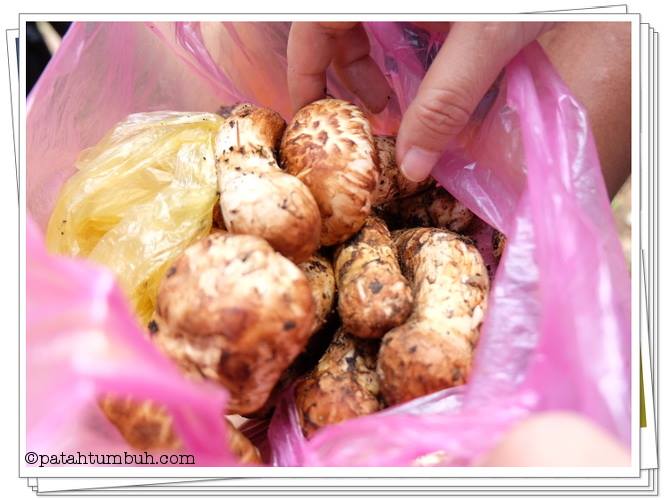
(82,342)
(558,329)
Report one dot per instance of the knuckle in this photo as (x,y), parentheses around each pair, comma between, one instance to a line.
(444,112)
(494,30)
(496,34)
(336,28)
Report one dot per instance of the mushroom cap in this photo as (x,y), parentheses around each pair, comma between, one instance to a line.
(148,426)
(256,196)
(415,360)
(329,146)
(392,184)
(239,311)
(434,207)
(342,386)
(143,424)
(274,205)
(373,295)
(255,127)
(320,275)
(498,244)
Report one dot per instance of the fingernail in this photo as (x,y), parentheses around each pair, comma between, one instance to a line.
(418,163)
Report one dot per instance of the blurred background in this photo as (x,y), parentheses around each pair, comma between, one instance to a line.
(42,41)
(44,38)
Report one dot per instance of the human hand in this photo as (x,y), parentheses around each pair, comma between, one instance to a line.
(557,439)
(467,65)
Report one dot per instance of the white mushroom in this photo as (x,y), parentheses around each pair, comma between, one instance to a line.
(256,196)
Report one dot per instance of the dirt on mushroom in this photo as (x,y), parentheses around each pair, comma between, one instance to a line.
(329,146)
(343,385)
(233,310)
(256,196)
(373,294)
(433,349)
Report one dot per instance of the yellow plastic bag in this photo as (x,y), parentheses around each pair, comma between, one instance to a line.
(139,198)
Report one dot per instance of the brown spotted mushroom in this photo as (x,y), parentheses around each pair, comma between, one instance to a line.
(434,207)
(433,349)
(329,146)
(233,310)
(498,244)
(392,184)
(343,385)
(320,276)
(373,294)
(147,426)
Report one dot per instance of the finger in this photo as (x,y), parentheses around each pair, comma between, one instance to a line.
(359,72)
(433,27)
(311,49)
(557,439)
(467,65)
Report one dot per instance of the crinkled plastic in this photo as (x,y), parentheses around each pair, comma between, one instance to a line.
(139,198)
(558,329)
(82,342)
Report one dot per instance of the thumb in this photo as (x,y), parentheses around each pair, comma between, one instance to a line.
(467,65)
